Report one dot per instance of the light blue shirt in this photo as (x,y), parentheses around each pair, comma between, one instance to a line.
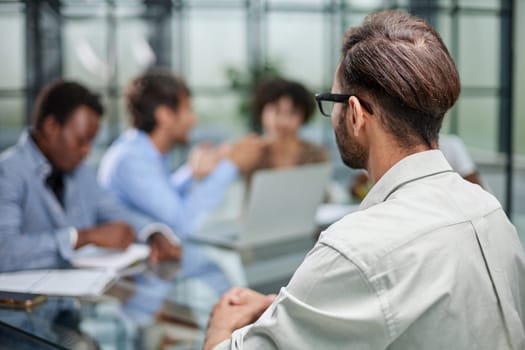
(139,175)
(35,231)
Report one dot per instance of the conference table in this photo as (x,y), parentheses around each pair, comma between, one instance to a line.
(157,307)
(163,306)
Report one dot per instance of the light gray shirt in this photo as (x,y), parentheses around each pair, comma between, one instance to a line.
(405,272)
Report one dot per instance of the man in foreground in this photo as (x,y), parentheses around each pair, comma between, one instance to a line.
(430,261)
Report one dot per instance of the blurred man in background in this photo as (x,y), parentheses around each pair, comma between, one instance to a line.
(50,202)
(136,167)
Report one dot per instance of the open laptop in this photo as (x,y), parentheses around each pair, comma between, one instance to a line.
(281,206)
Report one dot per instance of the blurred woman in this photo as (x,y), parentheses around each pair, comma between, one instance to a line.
(281,107)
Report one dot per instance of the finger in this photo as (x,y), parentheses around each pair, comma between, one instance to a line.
(170,253)
(154,255)
(235,300)
(244,296)
(177,253)
(233,292)
(271,297)
(233,296)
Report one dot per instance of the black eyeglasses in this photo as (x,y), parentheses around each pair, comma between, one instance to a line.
(326,101)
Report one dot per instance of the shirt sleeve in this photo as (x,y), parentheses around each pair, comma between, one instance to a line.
(144,184)
(109,209)
(26,250)
(182,179)
(326,290)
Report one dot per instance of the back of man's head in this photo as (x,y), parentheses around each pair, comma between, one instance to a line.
(150,90)
(59,99)
(402,65)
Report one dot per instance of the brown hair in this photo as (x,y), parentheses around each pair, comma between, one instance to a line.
(271,90)
(59,99)
(402,65)
(148,91)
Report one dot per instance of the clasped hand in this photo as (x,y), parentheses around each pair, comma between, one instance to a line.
(237,308)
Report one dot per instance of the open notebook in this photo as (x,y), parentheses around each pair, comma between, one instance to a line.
(111,259)
(70,282)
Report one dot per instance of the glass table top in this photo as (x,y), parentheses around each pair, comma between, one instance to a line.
(165,306)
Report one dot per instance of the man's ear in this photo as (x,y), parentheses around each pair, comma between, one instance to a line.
(50,126)
(356,117)
(162,114)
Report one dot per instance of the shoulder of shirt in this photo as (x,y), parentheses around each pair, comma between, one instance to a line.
(124,148)
(15,160)
(367,236)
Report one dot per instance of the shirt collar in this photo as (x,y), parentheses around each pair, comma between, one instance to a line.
(144,141)
(408,169)
(39,161)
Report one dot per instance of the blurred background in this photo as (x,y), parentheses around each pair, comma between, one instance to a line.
(222,47)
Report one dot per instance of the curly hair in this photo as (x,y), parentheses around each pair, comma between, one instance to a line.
(59,99)
(271,90)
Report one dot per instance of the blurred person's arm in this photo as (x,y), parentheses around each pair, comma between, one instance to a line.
(474,178)
(245,153)
(116,235)
(143,184)
(203,160)
(119,225)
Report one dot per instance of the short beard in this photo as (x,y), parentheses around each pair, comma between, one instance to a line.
(352,153)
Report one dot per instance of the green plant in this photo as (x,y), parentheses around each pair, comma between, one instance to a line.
(244,82)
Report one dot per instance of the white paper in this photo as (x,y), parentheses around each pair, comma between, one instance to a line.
(116,260)
(71,282)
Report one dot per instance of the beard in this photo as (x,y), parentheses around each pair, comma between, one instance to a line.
(353,154)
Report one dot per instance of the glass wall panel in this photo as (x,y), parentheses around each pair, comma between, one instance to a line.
(134,53)
(353,18)
(484,4)
(443,24)
(519,79)
(12,50)
(85,51)
(479,50)
(297,42)
(218,116)
(368,5)
(297,3)
(215,40)
(478,122)
(518,215)
(12,120)
(13,75)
